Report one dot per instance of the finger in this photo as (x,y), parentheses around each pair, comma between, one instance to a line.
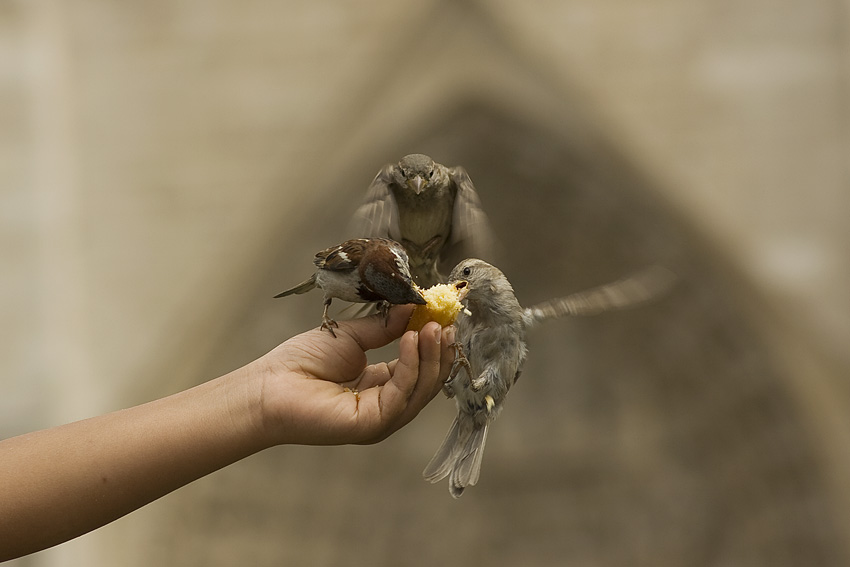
(420,391)
(447,357)
(373,331)
(390,400)
(374,375)
(430,359)
(398,389)
(383,395)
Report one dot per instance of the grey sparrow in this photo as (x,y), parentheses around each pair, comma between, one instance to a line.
(491,349)
(428,208)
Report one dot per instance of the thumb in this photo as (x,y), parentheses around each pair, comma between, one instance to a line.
(374,332)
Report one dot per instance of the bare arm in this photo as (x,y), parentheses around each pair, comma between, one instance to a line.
(62,482)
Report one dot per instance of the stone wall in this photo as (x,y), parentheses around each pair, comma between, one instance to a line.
(166,167)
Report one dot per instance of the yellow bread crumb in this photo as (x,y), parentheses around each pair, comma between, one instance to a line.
(443,305)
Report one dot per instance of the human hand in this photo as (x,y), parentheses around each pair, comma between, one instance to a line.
(61,482)
(318,390)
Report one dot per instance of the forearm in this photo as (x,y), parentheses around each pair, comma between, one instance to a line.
(62,482)
(315,388)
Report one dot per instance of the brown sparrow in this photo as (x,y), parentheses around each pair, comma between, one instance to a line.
(428,208)
(362,270)
(491,349)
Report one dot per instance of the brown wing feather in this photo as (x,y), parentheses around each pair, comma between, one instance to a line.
(345,256)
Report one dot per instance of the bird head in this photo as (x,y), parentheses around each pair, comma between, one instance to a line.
(484,288)
(386,271)
(416,172)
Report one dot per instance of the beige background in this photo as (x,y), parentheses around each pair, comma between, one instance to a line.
(166,167)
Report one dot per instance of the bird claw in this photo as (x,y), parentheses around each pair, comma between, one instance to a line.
(432,247)
(448,390)
(383,308)
(329,324)
(459,363)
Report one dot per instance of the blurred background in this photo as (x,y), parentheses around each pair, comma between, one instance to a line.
(167,167)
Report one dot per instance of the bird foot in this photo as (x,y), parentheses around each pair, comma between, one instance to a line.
(432,246)
(459,363)
(329,324)
(448,390)
(383,308)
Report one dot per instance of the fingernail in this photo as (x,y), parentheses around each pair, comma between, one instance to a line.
(416,338)
(450,334)
(438,332)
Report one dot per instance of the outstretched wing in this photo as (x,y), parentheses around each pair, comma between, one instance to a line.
(378,215)
(471,230)
(646,285)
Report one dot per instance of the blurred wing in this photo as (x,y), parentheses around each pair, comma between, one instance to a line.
(470,227)
(641,287)
(378,215)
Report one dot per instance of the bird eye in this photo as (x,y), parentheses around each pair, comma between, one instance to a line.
(430,174)
(467,270)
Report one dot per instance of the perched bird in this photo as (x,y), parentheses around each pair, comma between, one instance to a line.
(362,270)
(491,349)
(428,208)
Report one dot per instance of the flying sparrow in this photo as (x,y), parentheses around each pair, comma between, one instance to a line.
(428,208)
(491,349)
(362,270)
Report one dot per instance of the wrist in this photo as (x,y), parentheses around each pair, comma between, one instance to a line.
(244,399)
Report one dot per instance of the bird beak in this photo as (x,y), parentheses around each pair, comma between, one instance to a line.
(417,183)
(419,297)
(462,288)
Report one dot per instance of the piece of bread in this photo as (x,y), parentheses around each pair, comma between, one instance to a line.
(443,305)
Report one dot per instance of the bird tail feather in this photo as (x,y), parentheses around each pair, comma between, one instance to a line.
(303,287)
(459,456)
